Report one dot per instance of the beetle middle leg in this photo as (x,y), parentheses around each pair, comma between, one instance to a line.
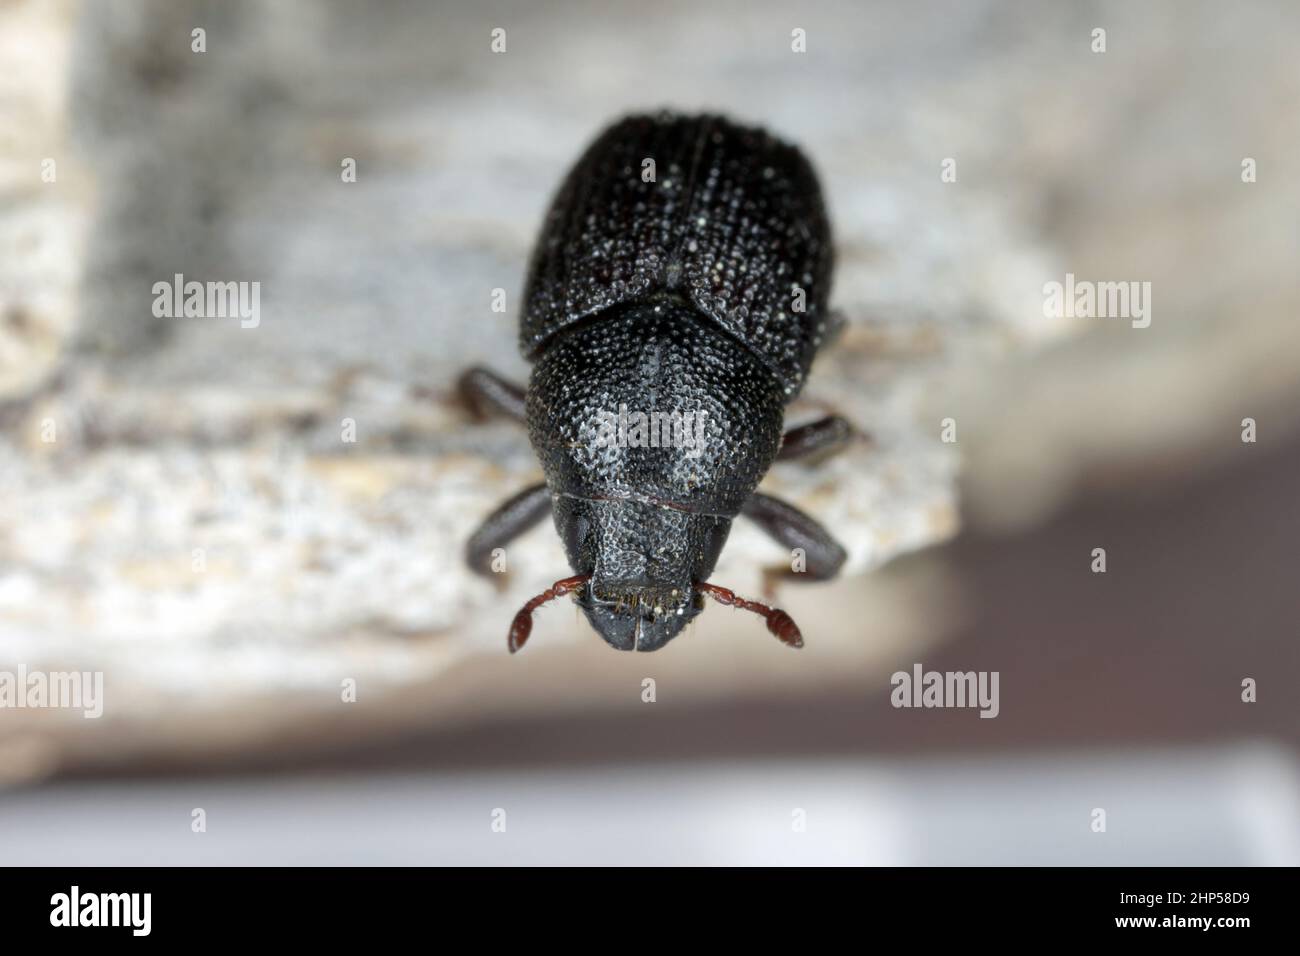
(823,435)
(515,516)
(487,393)
(791,528)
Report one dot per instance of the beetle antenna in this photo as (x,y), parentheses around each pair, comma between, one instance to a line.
(522,626)
(778,622)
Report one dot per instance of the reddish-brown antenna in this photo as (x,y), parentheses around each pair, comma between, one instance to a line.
(778,622)
(522,626)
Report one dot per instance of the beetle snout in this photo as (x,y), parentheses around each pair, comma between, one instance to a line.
(639,618)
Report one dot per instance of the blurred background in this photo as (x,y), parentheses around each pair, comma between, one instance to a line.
(275,598)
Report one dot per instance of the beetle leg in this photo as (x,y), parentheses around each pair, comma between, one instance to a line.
(825,434)
(487,393)
(515,516)
(788,526)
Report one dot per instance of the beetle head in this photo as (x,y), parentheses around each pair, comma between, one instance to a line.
(632,618)
(641,572)
(643,560)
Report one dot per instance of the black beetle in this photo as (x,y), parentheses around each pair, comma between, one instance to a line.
(674,303)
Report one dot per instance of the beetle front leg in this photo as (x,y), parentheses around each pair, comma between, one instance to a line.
(487,393)
(824,435)
(515,516)
(791,528)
